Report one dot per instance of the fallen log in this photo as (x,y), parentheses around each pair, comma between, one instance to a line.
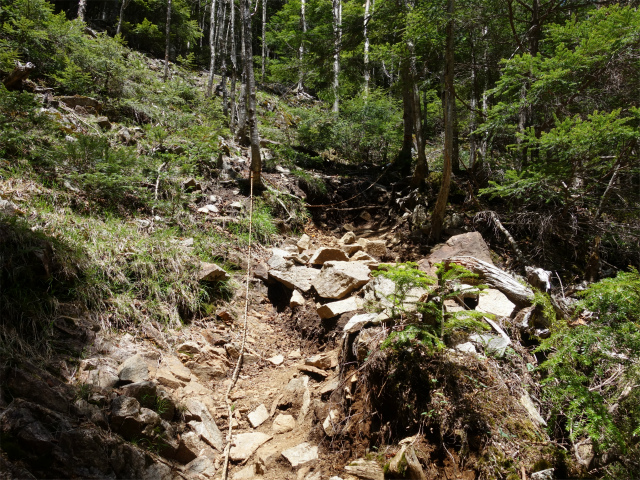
(519,294)
(20,73)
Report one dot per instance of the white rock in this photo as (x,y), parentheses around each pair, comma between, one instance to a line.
(329,310)
(543,475)
(467,347)
(134,369)
(531,409)
(375,248)
(258,416)
(357,322)
(348,238)
(295,277)
(236,205)
(494,301)
(301,454)
(247,473)
(297,300)
(330,424)
(304,243)
(277,360)
(245,444)
(210,272)
(295,354)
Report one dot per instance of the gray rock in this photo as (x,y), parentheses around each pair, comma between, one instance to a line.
(543,475)
(322,361)
(144,392)
(365,258)
(104,376)
(195,410)
(468,244)
(332,309)
(245,444)
(258,416)
(276,360)
(103,123)
(189,448)
(331,424)
(200,466)
(493,345)
(295,277)
(352,248)
(337,279)
(326,254)
(189,347)
(467,347)
(247,473)
(134,369)
(301,454)
(210,272)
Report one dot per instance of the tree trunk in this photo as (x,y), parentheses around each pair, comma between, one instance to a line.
(234,67)
(82,8)
(519,294)
(241,132)
(123,5)
(404,157)
(422,169)
(18,74)
(473,122)
(212,46)
(367,73)
(303,24)
(168,42)
(224,72)
(337,41)
(264,38)
(437,217)
(455,152)
(256,161)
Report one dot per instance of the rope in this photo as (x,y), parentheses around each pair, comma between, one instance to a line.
(236,371)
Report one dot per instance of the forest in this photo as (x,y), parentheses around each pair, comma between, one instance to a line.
(144,142)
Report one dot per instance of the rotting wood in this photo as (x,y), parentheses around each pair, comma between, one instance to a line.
(492,217)
(19,73)
(519,294)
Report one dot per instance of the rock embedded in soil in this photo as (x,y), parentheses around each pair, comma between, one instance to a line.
(276,360)
(358,322)
(337,279)
(301,454)
(406,462)
(304,243)
(375,248)
(322,361)
(258,416)
(468,244)
(326,254)
(134,369)
(333,309)
(294,354)
(330,424)
(245,444)
(283,423)
(348,238)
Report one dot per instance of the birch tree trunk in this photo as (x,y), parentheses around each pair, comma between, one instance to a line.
(168,42)
(234,67)
(123,5)
(82,8)
(264,37)
(473,123)
(241,133)
(337,41)
(367,73)
(212,46)
(303,24)
(437,217)
(256,161)
(224,71)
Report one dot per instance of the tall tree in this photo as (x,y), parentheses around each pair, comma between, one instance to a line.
(212,45)
(82,8)
(256,161)
(264,38)
(124,4)
(303,26)
(368,5)
(437,217)
(337,43)
(168,42)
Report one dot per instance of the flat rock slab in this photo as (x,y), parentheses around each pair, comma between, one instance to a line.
(496,302)
(134,369)
(258,416)
(295,277)
(301,454)
(494,345)
(277,360)
(326,254)
(329,310)
(375,248)
(322,361)
(245,444)
(357,322)
(337,279)
(468,244)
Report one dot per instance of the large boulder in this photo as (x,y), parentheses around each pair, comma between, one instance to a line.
(326,254)
(293,276)
(210,433)
(468,244)
(134,369)
(337,279)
